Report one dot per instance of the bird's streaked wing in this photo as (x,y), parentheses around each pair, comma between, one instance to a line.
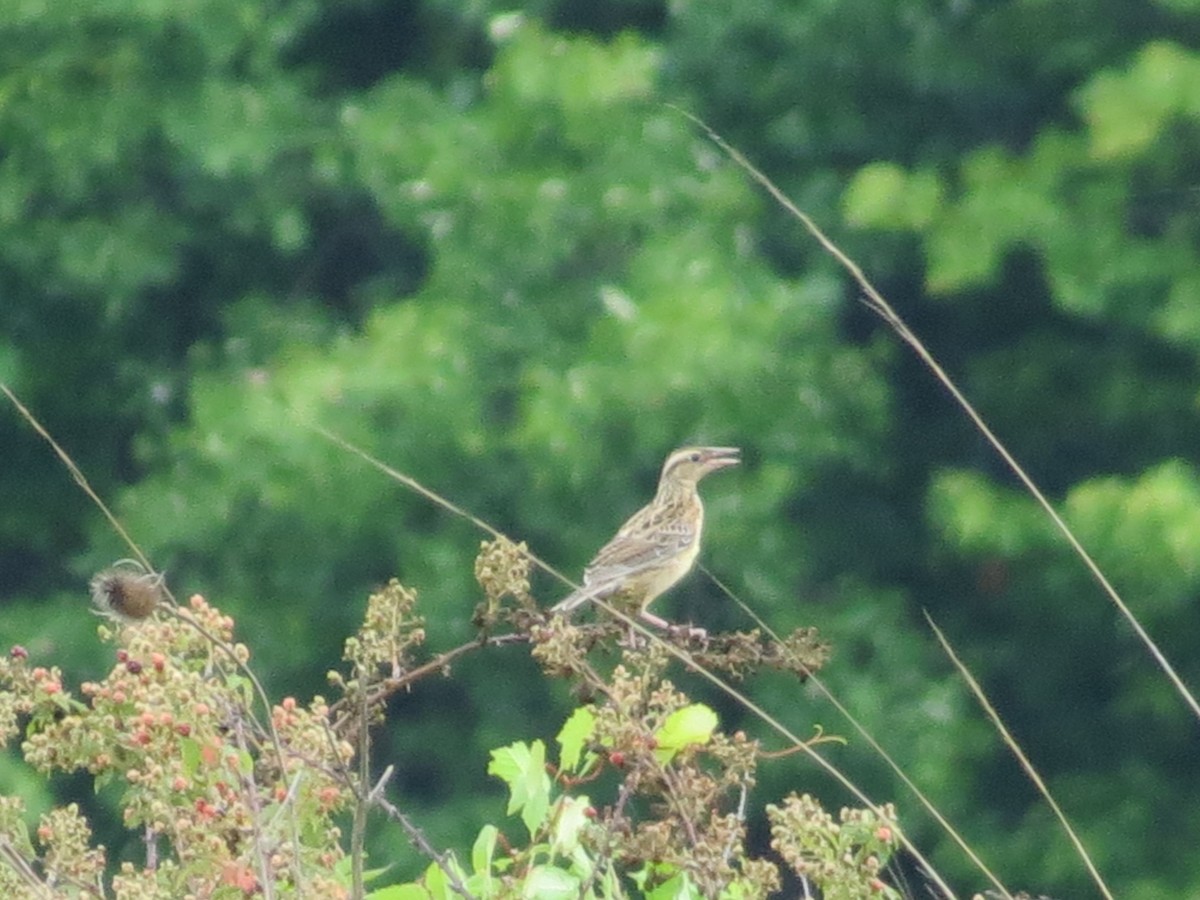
(642,543)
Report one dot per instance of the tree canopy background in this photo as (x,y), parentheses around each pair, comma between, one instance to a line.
(476,241)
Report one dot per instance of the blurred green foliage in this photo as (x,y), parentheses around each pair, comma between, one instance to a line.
(474,241)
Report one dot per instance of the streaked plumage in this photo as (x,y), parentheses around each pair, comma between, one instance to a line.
(657,546)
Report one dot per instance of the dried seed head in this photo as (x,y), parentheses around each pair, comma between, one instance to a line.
(127,593)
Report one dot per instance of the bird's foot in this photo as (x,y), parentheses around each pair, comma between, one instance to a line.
(687,632)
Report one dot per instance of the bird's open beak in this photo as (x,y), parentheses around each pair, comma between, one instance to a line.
(720,457)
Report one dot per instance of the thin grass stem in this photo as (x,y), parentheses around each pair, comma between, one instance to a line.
(999,725)
(876,303)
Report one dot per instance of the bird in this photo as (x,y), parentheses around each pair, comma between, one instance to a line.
(127,592)
(658,544)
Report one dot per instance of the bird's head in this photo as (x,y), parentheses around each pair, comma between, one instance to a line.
(686,466)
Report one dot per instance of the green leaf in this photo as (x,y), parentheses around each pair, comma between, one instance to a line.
(370,875)
(400,892)
(523,768)
(574,735)
(551,883)
(189,750)
(882,195)
(569,820)
(436,884)
(693,724)
(1128,111)
(245,763)
(67,704)
(481,859)
(978,517)
(677,887)
(244,687)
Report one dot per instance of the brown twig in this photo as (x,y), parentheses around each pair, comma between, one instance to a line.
(415,835)
(340,713)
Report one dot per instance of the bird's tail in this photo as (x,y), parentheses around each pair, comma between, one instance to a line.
(577,598)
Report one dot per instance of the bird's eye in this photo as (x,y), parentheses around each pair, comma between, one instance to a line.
(695,457)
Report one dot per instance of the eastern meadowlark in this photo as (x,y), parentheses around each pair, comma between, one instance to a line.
(658,544)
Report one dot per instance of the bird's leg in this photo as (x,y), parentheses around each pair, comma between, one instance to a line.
(687,631)
(690,632)
(633,640)
(646,616)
